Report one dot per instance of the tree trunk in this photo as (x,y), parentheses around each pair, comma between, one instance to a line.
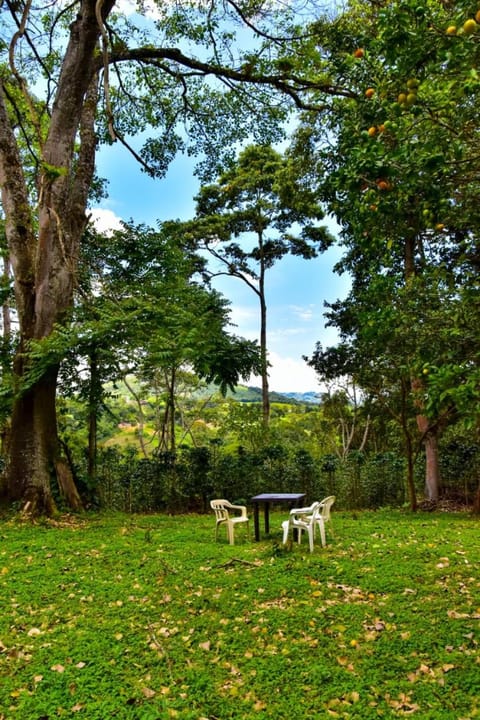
(6,313)
(43,240)
(429,435)
(409,448)
(263,343)
(33,450)
(411,476)
(93,403)
(432,465)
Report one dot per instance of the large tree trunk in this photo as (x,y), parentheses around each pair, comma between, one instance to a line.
(32,448)
(429,436)
(432,465)
(33,451)
(43,241)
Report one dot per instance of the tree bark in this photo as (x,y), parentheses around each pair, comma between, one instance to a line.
(93,403)
(33,447)
(263,334)
(432,465)
(44,245)
(429,436)
(429,433)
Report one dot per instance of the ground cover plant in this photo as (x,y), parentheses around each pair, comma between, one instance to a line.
(146,617)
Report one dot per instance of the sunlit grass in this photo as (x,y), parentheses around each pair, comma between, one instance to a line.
(147,617)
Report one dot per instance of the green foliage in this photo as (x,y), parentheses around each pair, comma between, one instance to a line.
(395,166)
(254,215)
(146,617)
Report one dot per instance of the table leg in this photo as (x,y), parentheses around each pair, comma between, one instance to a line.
(256,523)
(267,518)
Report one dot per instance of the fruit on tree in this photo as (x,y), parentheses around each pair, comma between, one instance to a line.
(452,30)
(359,53)
(469,26)
(369,92)
(372,131)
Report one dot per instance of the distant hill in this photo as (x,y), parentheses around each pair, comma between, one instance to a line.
(254,394)
(251,394)
(307,397)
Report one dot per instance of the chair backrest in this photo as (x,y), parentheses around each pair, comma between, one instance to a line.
(316,512)
(220,508)
(325,506)
(306,515)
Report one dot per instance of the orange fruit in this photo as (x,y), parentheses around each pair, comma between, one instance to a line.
(372,131)
(369,93)
(359,53)
(469,26)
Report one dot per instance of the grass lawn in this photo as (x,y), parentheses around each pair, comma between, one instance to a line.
(146,618)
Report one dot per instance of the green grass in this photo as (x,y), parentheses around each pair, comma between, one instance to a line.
(148,618)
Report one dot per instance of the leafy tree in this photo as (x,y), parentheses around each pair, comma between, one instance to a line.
(141,298)
(247,221)
(75,76)
(400,176)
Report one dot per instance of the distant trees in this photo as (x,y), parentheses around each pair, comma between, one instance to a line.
(396,168)
(255,214)
(390,95)
(142,313)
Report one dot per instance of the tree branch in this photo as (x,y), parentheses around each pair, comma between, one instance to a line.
(292,86)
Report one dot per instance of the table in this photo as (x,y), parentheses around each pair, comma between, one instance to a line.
(292,499)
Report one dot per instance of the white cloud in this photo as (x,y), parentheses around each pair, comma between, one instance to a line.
(281,333)
(304,313)
(288,374)
(105,220)
(245,319)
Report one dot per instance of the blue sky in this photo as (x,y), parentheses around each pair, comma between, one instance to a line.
(296,289)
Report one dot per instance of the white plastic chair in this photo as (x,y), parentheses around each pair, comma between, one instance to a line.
(221,509)
(303,519)
(324,516)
